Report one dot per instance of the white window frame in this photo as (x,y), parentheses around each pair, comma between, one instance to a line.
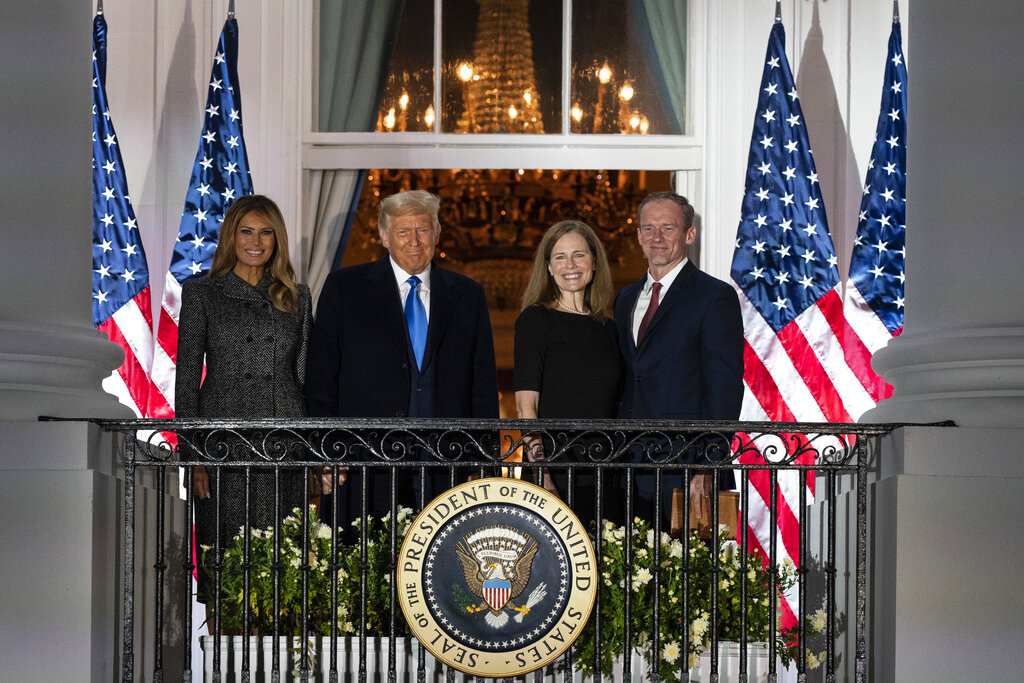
(685,155)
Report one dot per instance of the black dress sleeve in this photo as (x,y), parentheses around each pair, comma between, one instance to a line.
(531,341)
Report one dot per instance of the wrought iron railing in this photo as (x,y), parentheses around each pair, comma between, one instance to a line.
(608,455)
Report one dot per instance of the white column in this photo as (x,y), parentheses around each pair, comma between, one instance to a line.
(961,356)
(58,488)
(944,595)
(52,359)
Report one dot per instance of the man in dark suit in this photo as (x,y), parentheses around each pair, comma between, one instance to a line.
(681,335)
(401,337)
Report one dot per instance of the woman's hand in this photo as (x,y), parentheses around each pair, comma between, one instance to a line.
(327,479)
(200,482)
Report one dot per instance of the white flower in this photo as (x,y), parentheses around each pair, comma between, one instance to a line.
(650,538)
(812,661)
(205,547)
(670,652)
(641,553)
(698,626)
(323,531)
(675,549)
(817,621)
(641,578)
(692,660)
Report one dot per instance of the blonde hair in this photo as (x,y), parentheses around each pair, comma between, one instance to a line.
(542,288)
(284,293)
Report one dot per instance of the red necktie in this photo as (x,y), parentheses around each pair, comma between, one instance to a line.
(651,310)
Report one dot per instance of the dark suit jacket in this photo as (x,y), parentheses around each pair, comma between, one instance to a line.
(689,365)
(359,365)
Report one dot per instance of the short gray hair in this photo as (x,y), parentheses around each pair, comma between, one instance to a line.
(410,203)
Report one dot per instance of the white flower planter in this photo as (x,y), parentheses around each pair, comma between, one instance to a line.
(729,664)
(407,660)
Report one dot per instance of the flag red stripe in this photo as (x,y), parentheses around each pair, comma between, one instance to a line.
(132,371)
(762,385)
(167,335)
(809,366)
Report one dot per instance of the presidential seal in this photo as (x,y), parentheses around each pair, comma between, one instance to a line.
(497,577)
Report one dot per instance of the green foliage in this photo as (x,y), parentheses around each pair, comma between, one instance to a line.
(684,581)
(315,565)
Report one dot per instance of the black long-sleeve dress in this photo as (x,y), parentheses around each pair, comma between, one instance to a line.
(573,361)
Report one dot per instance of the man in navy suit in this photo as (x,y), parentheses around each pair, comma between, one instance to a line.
(400,337)
(681,335)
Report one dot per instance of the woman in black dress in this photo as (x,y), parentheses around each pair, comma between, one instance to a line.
(250,321)
(567,362)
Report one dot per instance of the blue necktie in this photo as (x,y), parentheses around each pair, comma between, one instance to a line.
(416,319)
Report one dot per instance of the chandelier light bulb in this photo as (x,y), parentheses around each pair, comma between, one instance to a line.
(604,74)
(627,92)
(577,113)
(465,71)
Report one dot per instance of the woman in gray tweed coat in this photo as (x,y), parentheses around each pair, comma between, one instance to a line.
(251,322)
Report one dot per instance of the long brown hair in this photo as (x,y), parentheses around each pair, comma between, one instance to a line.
(284,293)
(542,288)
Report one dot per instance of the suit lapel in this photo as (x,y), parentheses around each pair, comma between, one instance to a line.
(444,299)
(675,293)
(382,295)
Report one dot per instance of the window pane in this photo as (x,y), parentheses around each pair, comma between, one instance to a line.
(376,66)
(408,100)
(628,67)
(501,66)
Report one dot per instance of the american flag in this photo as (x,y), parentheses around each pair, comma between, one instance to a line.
(784,268)
(220,175)
(874,292)
(120,278)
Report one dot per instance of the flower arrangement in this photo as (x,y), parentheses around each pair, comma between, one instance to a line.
(675,641)
(261,578)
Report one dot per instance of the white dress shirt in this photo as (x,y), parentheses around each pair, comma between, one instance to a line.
(404,287)
(644,300)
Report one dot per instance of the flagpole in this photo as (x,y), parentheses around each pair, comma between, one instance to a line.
(99,7)
(895,11)
(231,9)
(778,11)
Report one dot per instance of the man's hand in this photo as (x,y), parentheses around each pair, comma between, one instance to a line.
(200,482)
(700,494)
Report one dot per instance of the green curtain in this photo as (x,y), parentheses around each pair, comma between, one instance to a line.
(664,23)
(356,43)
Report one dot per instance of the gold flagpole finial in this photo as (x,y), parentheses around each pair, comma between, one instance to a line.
(895,11)
(778,11)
